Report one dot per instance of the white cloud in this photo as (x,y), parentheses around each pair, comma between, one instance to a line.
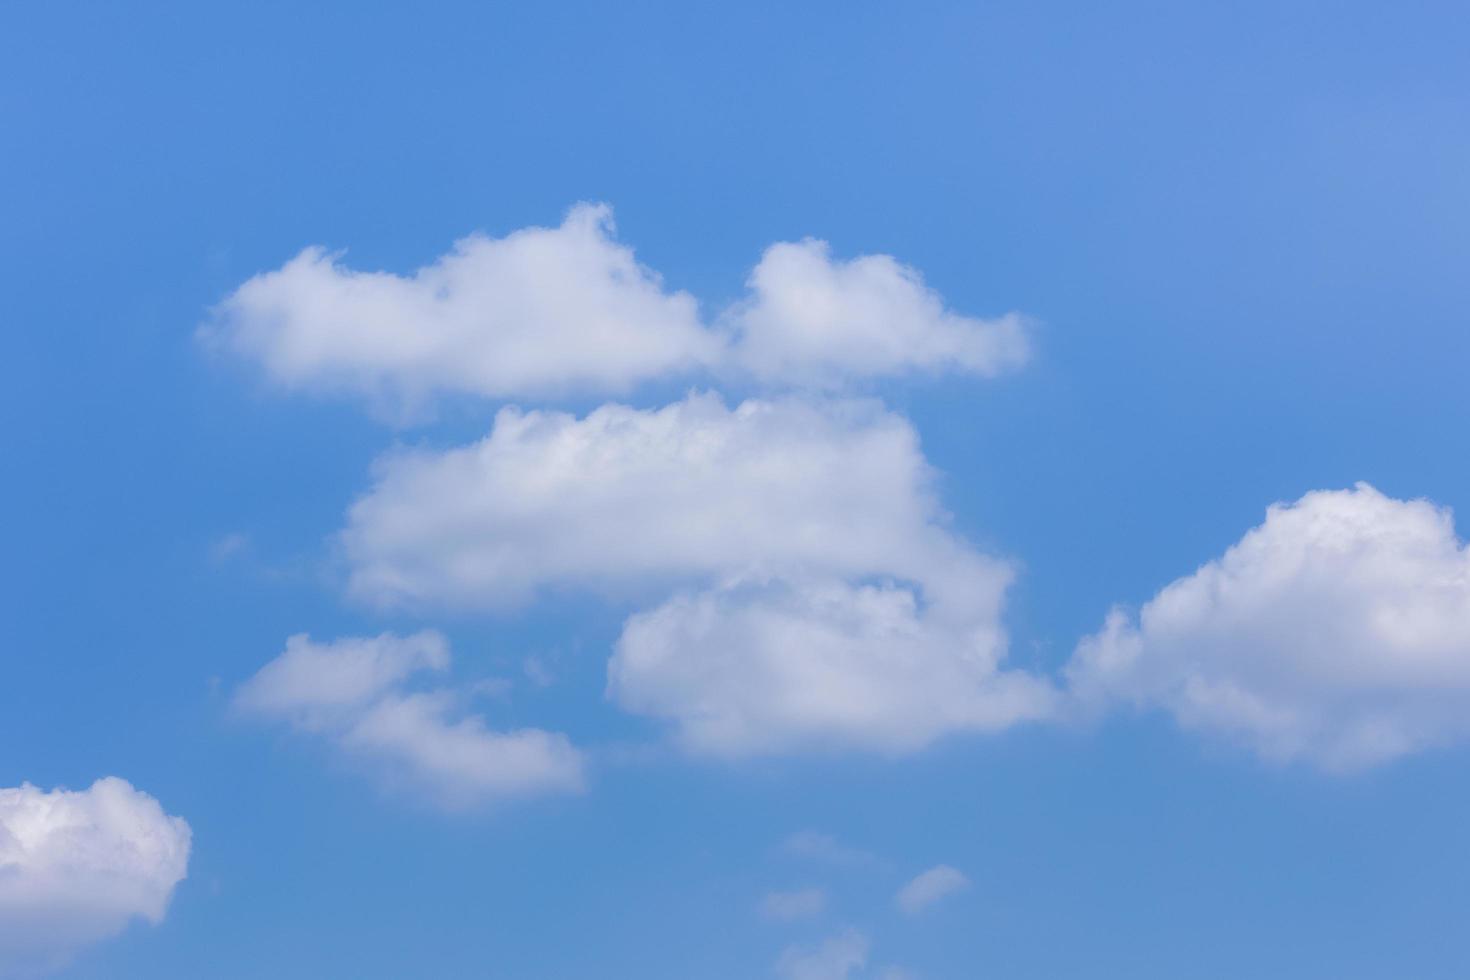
(813,320)
(838,610)
(624,498)
(1338,632)
(934,885)
(352,691)
(834,959)
(790,906)
(802,522)
(773,667)
(460,756)
(549,311)
(313,684)
(78,867)
(541,311)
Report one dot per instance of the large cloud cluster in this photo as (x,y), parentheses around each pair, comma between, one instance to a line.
(796,585)
(829,607)
(799,585)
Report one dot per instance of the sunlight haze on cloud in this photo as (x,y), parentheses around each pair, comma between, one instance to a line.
(1337,632)
(77,867)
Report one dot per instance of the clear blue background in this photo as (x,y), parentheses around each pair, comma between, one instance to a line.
(1244,226)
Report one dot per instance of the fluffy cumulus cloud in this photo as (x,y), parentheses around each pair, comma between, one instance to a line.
(626,497)
(930,888)
(829,605)
(78,867)
(541,311)
(813,320)
(772,667)
(1337,632)
(569,310)
(354,692)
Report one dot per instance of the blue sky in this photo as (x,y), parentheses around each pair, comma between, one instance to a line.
(1237,237)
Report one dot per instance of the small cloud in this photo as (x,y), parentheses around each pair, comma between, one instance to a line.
(930,887)
(355,692)
(803,903)
(824,847)
(228,546)
(538,673)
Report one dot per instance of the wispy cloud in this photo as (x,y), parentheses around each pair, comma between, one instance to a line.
(835,958)
(353,692)
(930,888)
(816,846)
(790,906)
